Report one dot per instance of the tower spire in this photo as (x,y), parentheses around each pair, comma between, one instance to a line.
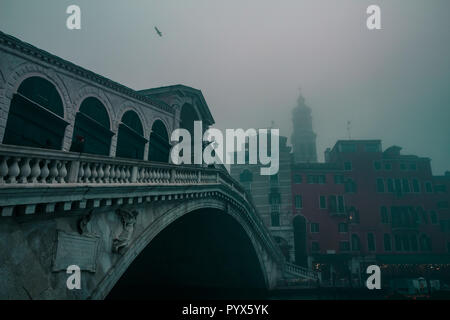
(303,137)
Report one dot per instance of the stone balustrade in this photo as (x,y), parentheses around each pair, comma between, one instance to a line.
(301,272)
(30,166)
(25,169)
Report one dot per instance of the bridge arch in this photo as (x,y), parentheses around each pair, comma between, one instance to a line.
(159,145)
(36,102)
(131,139)
(156,227)
(92,130)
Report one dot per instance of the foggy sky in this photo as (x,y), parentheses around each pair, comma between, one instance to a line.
(250,57)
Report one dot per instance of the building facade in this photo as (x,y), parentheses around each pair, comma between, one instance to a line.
(271,196)
(367,206)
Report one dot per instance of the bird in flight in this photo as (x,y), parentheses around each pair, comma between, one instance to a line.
(158,32)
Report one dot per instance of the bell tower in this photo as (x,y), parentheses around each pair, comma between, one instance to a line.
(303,137)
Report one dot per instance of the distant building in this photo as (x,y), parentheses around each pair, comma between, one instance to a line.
(271,196)
(365,206)
(303,137)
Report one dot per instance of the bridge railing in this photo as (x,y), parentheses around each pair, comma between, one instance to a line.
(301,271)
(25,166)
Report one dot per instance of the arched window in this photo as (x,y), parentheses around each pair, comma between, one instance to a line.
(36,116)
(355,243)
(130,140)
(159,147)
(92,132)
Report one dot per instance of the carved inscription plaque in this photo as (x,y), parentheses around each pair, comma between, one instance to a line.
(73,249)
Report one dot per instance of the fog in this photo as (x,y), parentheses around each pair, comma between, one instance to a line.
(250,57)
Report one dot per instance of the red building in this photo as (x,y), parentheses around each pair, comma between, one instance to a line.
(367,206)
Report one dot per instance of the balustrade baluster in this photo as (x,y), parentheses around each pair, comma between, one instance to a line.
(45,172)
(53,171)
(112,174)
(87,173)
(25,170)
(94,173)
(62,172)
(81,172)
(123,174)
(106,174)
(35,171)
(118,174)
(128,176)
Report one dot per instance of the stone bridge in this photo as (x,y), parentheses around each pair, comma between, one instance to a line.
(60,209)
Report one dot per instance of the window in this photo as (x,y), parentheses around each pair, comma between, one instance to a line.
(402,166)
(384,215)
(332,204)
(398,186)
(390,185)
(422,215)
(380,185)
(341,207)
(348,166)
(405,185)
(274,198)
(350,186)
(274,179)
(338,179)
(416,185)
(428,187)
(315,247)
(413,166)
(297,179)
(298,202)
(275,217)
(344,246)
(314,228)
(355,243)
(433,217)
(370,242)
(387,166)
(316,179)
(387,242)
(323,202)
(377,165)
(342,227)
